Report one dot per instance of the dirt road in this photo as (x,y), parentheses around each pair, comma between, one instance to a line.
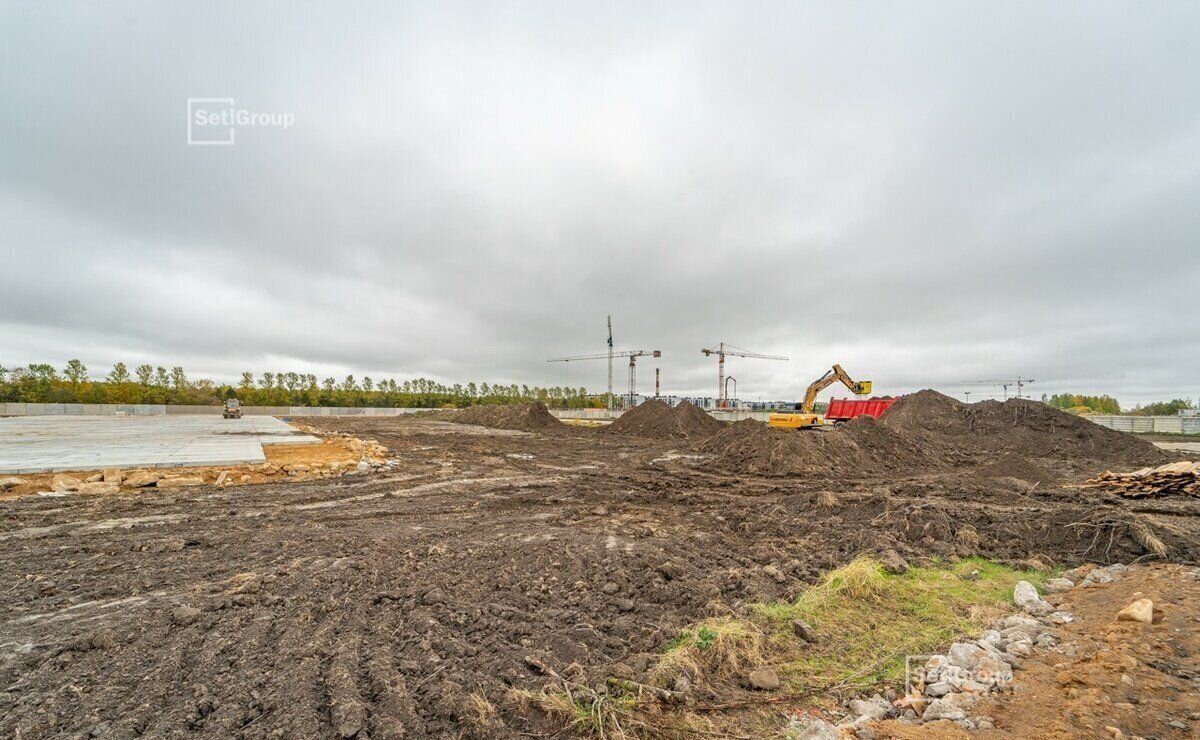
(405,604)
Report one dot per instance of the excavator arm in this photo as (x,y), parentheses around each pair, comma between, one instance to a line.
(830,377)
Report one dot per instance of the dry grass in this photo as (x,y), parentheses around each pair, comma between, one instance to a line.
(826,500)
(718,647)
(1144,536)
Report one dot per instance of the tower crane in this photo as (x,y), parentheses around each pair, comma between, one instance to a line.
(1019,383)
(721,351)
(632,354)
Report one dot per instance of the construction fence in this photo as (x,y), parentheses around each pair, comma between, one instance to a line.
(1148,424)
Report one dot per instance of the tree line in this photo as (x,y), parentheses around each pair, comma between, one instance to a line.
(43,383)
(1078,404)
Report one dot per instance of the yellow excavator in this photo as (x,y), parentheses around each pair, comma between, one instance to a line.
(804,418)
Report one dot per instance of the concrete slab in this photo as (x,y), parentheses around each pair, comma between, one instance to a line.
(1180,446)
(39,444)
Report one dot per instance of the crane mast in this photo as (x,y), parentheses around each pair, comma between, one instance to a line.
(721,351)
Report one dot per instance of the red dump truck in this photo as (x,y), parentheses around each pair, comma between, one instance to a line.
(842,410)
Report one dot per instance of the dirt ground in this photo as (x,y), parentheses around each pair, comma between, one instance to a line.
(407,602)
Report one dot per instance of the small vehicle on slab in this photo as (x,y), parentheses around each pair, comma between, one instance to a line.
(232,410)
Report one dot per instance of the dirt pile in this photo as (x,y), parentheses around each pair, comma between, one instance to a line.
(1025,428)
(1015,466)
(861,447)
(524,417)
(657,420)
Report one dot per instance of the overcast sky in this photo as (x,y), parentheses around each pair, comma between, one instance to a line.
(928,194)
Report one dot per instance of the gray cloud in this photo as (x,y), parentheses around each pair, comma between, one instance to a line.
(964,193)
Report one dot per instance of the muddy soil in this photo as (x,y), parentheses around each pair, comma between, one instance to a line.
(657,420)
(405,603)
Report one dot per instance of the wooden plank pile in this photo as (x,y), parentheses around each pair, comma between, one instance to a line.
(1165,480)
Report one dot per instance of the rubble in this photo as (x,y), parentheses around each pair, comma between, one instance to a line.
(1179,478)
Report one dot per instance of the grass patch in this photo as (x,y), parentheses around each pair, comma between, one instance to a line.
(868,619)
(721,646)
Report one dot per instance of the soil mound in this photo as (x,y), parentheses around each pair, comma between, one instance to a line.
(1015,466)
(656,419)
(861,447)
(1028,429)
(524,417)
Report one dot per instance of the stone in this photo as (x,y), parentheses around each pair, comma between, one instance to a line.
(1059,585)
(993,671)
(1097,577)
(297,468)
(182,481)
(1026,597)
(362,468)
(112,475)
(1046,641)
(222,477)
(141,479)
(99,487)
(875,708)
(1076,575)
(1028,624)
(682,684)
(942,709)
(912,703)
(10,482)
(1020,648)
(1060,618)
(610,588)
(938,688)
(810,728)
(763,679)
(1141,610)
(991,639)
(63,482)
(803,630)
(433,596)
(965,655)
(893,563)
(624,605)
(94,478)
(185,615)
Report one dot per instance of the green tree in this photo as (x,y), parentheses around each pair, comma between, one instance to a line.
(119,374)
(145,374)
(76,372)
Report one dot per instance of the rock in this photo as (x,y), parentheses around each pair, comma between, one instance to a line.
(1027,624)
(763,679)
(297,468)
(94,478)
(362,467)
(942,709)
(939,688)
(1141,610)
(803,630)
(1020,648)
(113,475)
(1026,597)
(1046,640)
(433,596)
(182,481)
(610,588)
(1060,618)
(984,723)
(10,482)
(810,728)
(991,639)
(1097,577)
(99,487)
(141,479)
(63,482)
(893,563)
(1076,575)
(185,615)
(222,478)
(993,671)
(1059,585)
(624,605)
(683,684)
(875,708)
(775,573)
(965,655)
(912,703)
